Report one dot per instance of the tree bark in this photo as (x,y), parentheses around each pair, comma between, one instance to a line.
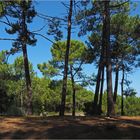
(122,92)
(101,92)
(28,80)
(116,83)
(95,102)
(73,94)
(64,86)
(26,63)
(110,103)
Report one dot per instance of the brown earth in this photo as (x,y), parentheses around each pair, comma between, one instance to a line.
(69,127)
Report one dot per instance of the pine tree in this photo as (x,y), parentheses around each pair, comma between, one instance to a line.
(55,67)
(23,12)
(64,85)
(97,21)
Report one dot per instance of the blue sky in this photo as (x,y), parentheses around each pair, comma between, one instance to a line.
(41,52)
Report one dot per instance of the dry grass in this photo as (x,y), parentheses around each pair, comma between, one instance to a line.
(69,127)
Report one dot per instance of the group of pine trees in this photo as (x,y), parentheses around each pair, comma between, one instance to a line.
(112,45)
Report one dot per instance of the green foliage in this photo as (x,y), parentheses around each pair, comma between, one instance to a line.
(77,54)
(131,106)
(47,69)
(44,98)
(18,68)
(77,51)
(83,96)
(54,29)
(88,108)
(3,100)
(15,111)
(18,10)
(46,92)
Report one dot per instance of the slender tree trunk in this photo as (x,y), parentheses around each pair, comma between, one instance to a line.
(122,92)
(95,102)
(64,86)
(110,103)
(73,94)
(101,92)
(21,100)
(26,63)
(74,100)
(116,83)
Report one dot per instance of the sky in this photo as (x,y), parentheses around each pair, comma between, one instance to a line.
(41,52)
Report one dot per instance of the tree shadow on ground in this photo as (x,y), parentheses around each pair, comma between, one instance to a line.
(97,131)
(71,128)
(129,121)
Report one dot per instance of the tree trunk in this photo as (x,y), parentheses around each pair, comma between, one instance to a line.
(101,92)
(116,83)
(95,102)
(21,100)
(100,69)
(99,83)
(74,100)
(28,80)
(26,63)
(64,86)
(122,92)
(110,103)
(74,91)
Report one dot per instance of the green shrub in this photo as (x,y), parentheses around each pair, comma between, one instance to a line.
(15,111)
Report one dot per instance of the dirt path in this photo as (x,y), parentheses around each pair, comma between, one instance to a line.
(68,127)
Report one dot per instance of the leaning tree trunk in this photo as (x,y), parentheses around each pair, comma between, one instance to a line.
(101,93)
(25,56)
(64,86)
(122,92)
(116,83)
(74,91)
(110,103)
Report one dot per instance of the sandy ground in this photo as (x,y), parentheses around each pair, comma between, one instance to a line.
(69,127)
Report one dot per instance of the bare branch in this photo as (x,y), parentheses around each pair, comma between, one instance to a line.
(11,39)
(66,5)
(7,20)
(40,29)
(49,17)
(18,11)
(5,15)
(5,23)
(45,38)
(78,68)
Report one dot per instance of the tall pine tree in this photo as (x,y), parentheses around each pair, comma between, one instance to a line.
(22,12)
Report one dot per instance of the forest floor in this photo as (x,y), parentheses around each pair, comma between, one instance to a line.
(68,127)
